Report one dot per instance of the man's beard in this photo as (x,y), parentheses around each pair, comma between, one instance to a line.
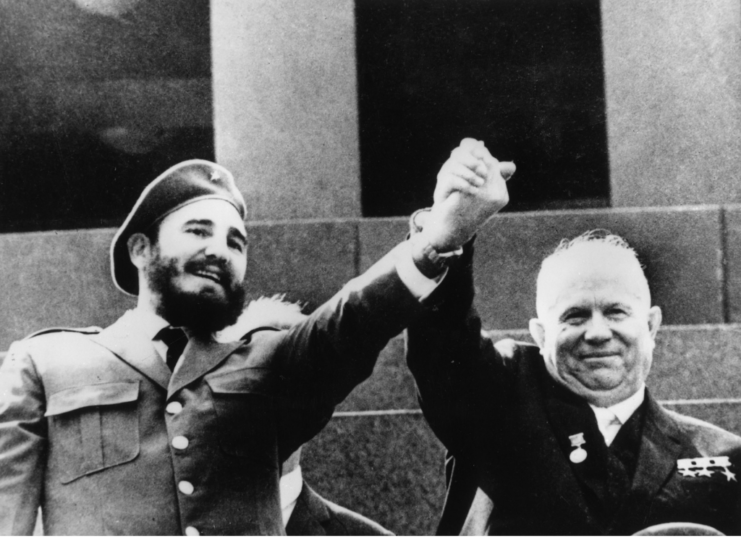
(201,313)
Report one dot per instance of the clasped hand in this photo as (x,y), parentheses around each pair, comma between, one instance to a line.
(471,188)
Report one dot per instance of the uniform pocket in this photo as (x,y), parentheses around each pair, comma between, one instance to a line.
(93,427)
(245,408)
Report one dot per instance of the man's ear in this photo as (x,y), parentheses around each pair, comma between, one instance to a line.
(537,331)
(140,249)
(654,320)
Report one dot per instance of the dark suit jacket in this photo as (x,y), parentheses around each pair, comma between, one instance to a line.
(84,430)
(507,425)
(316,516)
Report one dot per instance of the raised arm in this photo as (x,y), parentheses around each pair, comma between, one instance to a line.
(456,367)
(326,356)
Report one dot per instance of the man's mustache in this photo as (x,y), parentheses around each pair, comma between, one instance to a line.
(220,268)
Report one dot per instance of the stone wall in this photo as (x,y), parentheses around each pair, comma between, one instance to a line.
(692,257)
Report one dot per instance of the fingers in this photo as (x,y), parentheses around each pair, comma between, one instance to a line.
(462,171)
(465,156)
(507,169)
(478,150)
(459,184)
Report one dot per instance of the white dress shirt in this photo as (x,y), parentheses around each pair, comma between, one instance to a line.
(290,488)
(611,419)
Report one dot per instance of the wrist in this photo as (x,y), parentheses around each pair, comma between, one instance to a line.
(443,244)
(429,260)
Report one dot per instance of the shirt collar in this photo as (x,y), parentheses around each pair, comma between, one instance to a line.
(148,322)
(625,409)
(290,488)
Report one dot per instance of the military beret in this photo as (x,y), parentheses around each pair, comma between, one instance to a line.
(180,185)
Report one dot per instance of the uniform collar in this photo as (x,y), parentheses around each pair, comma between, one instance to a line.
(147,322)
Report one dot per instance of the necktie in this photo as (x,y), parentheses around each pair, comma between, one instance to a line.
(175,339)
(609,424)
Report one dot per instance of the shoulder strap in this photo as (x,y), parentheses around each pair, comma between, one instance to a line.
(80,330)
(248,335)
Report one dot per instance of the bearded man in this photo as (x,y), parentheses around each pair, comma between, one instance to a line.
(563,437)
(151,426)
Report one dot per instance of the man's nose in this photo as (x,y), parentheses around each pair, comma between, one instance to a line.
(217,248)
(598,329)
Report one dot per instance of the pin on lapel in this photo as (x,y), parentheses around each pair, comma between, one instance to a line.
(578,455)
(706,467)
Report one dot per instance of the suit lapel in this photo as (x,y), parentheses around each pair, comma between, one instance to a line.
(565,497)
(199,357)
(661,444)
(309,515)
(125,341)
(570,415)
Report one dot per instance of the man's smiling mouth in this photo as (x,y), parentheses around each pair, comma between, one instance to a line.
(597,355)
(210,275)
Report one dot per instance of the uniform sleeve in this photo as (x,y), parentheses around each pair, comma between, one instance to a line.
(22,442)
(335,349)
(460,373)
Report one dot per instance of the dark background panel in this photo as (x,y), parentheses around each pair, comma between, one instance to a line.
(525,76)
(83,86)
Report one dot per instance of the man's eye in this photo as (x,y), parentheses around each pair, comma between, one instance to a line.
(575,318)
(197,231)
(616,313)
(237,245)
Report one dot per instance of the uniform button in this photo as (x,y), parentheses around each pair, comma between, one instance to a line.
(185,487)
(191,531)
(180,442)
(174,408)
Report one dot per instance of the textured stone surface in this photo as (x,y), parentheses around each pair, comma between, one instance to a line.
(680,247)
(732,244)
(62,278)
(690,362)
(378,236)
(56,279)
(309,261)
(672,90)
(390,387)
(388,468)
(725,415)
(697,362)
(285,105)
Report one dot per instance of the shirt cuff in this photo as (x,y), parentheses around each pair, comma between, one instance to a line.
(418,284)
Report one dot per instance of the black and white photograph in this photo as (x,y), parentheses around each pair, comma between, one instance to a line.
(370,267)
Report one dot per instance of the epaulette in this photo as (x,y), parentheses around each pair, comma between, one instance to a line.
(248,335)
(80,330)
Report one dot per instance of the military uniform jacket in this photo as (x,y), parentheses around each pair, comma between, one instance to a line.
(506,425)
(96,430)
(314,515)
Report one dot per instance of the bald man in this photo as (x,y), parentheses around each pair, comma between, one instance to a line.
(563,437)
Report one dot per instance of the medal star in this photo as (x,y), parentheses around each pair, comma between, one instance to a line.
(729,475)
(687,472)
(704,472)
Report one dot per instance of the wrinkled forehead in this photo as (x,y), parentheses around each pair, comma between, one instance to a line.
(217,211)
(591,266)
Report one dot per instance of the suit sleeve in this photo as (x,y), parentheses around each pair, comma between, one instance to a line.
(325,357)
(460,373)
(22,442)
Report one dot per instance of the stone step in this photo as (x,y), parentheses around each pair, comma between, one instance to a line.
(692,256)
